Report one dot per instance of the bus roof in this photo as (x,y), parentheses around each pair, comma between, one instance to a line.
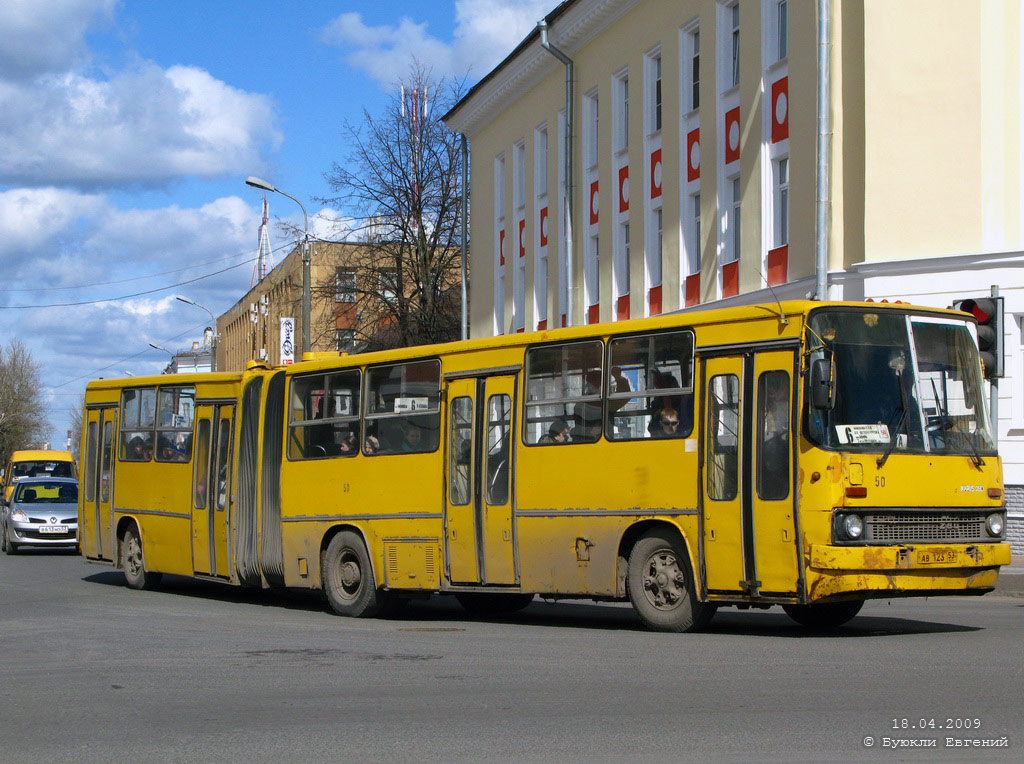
(41,455)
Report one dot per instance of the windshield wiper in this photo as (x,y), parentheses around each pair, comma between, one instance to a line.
(945,425)
(904,407)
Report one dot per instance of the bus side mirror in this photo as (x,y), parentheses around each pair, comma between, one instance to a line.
(822,387)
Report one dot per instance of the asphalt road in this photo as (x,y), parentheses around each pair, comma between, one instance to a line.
(199,672)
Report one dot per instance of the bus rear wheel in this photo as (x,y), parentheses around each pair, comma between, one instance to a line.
(827,615)
(661,585)
(348,580)
(487,604)
(134,565)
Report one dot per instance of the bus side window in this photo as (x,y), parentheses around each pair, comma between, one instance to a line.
(650,393)
(499,433)
(403,409)
(723,440)
(324,416)
(563,386)
(773,435)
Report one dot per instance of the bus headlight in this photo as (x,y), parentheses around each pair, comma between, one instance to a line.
(853,527)
(994,524)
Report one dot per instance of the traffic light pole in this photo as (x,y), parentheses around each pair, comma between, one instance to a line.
(993,390)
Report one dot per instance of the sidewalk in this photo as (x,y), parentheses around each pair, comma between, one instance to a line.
(1011,578)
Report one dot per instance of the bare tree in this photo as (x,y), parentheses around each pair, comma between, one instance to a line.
(22,413)
(76,415)
(403,178)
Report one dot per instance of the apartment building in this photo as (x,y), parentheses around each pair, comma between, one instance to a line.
(694,165)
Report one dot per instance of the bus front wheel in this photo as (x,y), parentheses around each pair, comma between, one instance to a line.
(661,585)
(348,578)
(134,565)
(827,615)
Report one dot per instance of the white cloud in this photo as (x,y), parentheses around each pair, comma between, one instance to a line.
(485,32)
(40,36)
(145,125)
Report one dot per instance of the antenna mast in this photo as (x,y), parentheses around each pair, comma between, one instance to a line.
(265,260)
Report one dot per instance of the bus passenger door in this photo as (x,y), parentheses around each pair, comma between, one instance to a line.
(479,534)
(723,455)
(96,532)
(750,544)
(202,520)
(220,478)
(211,489)
(775,538)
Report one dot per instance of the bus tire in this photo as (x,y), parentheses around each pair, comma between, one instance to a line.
(348,578)
(134,565)
(827,615)
(488,604)
(661,585)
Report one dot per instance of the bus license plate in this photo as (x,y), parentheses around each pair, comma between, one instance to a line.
(53,529)
(936,558)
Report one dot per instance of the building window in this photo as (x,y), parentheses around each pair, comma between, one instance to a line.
(734,45)
(782,29)
(519,174)
(345,285)
(346,340)
(540,160)
(691,235)
(620,125)
(388,283)
(781,173)
(733,239)
(654,91)
(693,70)
(591,127)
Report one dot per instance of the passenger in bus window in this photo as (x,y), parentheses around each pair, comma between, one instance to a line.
(588,413)
(667,424)
(372,445)
(558,432)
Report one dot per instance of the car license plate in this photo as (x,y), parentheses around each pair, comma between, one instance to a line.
(53,529)
(942,557)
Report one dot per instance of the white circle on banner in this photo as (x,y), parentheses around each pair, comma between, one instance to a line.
(695,156)
(625,189)
(657,174)
(781,106)
(595,202)
(544,227)
(734,136)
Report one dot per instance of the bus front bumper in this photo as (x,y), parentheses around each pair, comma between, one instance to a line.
(906,569)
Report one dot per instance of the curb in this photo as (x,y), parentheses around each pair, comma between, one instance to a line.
(1010,583)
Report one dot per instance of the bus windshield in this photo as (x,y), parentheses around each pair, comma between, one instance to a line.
(903,382)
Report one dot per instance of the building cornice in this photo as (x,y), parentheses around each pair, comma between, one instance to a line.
(572,26)
(939,264)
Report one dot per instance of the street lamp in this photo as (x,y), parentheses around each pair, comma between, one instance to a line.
(157,347)
(213,359)
(265,186)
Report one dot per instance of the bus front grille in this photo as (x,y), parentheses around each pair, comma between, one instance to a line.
(924,527)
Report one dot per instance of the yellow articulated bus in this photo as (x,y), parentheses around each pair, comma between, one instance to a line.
(808,455)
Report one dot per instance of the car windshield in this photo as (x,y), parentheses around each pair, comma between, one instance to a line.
(47,493)
(912,383)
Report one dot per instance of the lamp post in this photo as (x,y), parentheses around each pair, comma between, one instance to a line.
(157,347)
(213,357)
(264,185)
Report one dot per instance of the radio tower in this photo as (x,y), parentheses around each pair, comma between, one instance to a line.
(265,260)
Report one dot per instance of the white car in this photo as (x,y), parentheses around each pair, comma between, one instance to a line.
(41,512)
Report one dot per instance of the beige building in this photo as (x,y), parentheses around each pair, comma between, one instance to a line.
(695,154)
(251,330)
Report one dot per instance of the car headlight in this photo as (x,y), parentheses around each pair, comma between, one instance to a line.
(19,516)
(994,524)
(853,527)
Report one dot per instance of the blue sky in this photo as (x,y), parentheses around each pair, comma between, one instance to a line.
(128,127)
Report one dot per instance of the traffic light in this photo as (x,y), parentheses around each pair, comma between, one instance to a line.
(989,312)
